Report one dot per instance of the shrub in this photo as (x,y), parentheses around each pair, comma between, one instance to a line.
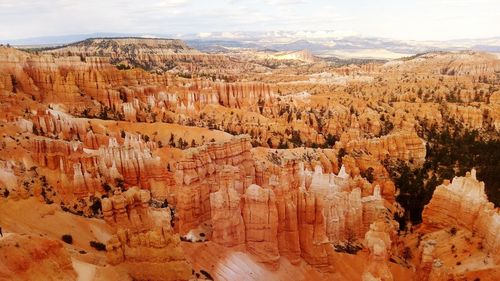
(207,275)
(453,231)
(347,248)
(98,246)
(96,206)
(407,255)
(67,238)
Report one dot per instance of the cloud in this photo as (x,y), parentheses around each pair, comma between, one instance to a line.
(285,2)
(425,19)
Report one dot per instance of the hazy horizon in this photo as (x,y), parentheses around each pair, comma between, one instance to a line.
(439,20)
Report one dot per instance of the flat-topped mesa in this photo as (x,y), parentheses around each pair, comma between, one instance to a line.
(143,48)
(464,204)
(460,63)
(128,210)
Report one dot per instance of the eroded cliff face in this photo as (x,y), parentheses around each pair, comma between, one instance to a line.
(158,55)
(260,215)
(305,190)
(452,63)
(149,251)
(463,204)
(274,210)
(404,145)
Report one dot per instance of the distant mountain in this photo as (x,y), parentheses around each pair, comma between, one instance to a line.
(320,43)
(215,45)
(113,45)
(62,39)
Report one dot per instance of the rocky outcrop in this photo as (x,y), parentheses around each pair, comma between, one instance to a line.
(260,216)
(83,171)
(133,161)
(470,117)
(149,255)
(285,184)
(264,206)
(56,123)
(426,260)
(378,242)
(196,178)
(403,145)
(227,222)
(347,212)
(314,245)
(128,210)
(148,251)
(463,203)
(56,154)
(26,257)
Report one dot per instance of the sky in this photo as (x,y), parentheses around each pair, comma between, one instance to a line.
(395,19)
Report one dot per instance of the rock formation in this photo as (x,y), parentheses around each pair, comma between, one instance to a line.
(285,161)
(463,204)
(148,251)
(154,254)
(401,145)
(197,178)
(378,241)
(128,210)
(261,224)
(227,222)
(27,257)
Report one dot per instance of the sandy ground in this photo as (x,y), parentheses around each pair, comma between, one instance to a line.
(161,131)
(36,218)
(85,271)
(233,265)
(33,217)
